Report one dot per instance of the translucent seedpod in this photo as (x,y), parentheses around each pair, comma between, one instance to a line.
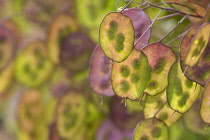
(60,26)
(100,72)
(32,66)
(141,23)
(7,46)
(204,111)
(71,113)
(130,77)
(181,92)
(160,57)
(75,51)
(151,128)
(116,36)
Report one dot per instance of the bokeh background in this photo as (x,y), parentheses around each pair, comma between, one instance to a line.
(44,88)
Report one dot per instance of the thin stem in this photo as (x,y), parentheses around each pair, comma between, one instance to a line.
(172,114)
(160,109)
(176,38)
(196,3)
(126,5)
(174,28)
(171,15)
(148,27)
(207,127)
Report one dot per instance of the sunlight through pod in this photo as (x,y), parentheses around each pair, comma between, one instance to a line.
(160,57)
(116,36)
(181,92)
(130,77)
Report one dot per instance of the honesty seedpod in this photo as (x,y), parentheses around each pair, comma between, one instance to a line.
(205,110)
(116,36)
(61,26)
(37,68)
(140,22)
(130,77)
(151,129)
(160,57)
(200,72)
(100,73)
(198,45)
(71,113)
(181,92)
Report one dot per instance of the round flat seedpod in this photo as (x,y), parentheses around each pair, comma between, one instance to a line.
(116,36)
(32,67)
(198,45)
(130,77)
(108,131)
(60,26)
(205,111)
(200,72)
(160,57)
(122,117)
(30,111)
(91,12)
(151,129)
(75,51)
(100,72)
(141,22)
(7,46)
(70,114)
(206,17)
(181,92)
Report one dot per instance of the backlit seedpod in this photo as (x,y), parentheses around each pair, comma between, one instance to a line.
(151,129)
(116,36)
(160,57)
(181,92)
(130,77)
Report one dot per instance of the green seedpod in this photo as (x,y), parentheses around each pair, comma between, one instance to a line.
(168,115)
(198,45)
(181,92)
(206,17)
(116,36)
(160,57)
(153,104)
(60,26)
(37,68)
(205,110)
(151,129)
(71,112)
(130,77)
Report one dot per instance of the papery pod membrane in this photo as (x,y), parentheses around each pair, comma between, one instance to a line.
(206,17)
(153,104)
(116,36)
(141,22)
(189,8)
(130,77)
(168,115)
(75,51)
(7,46)
(37,68)
(6,78)
(100,73)
(70,114)
(151,129)
(200,72)
(160,57)
(108,131)
(193,121)
(181,92)
(205,111)
(60,26)
(122,117)
(198,45)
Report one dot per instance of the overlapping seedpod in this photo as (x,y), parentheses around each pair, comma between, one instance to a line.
(37,68)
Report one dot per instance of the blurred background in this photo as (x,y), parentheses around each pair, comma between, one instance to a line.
(45,49)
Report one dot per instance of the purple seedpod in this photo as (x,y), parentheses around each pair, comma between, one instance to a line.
(140,22)
(99,73)
(108,131)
